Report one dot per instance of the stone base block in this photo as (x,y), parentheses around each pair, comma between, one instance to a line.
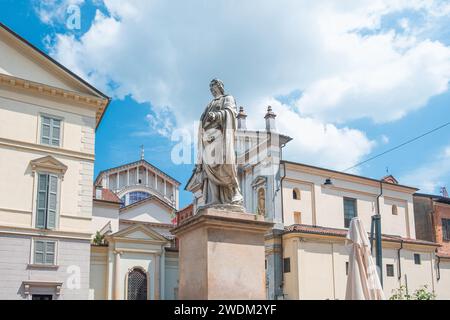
(222,255)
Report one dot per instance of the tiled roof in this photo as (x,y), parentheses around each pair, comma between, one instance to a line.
(303,228)
(107,195)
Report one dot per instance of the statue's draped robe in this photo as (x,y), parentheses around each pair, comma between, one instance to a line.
(216,153)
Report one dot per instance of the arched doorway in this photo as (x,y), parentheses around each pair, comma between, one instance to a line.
(137,284)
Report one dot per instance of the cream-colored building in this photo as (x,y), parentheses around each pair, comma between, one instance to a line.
(134,206)
(47,134)
(316,216)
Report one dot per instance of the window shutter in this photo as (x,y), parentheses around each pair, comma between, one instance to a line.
(52,199)
(41,200)
(39,252)
(56,130)
(50,252)
(45,130)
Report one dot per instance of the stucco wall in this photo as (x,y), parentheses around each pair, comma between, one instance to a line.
(321,269)
(103,213)
(148,212)
(442,287)
(14,267)
(324,206)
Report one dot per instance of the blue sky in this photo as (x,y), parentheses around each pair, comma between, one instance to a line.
(347,81)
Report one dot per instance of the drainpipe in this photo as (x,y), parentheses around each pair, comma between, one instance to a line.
(282,220)
(377,222)
(399,277)
(438,269)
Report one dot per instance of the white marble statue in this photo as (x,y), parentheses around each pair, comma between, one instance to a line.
(216,162)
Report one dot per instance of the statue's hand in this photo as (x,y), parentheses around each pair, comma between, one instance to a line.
(211,116)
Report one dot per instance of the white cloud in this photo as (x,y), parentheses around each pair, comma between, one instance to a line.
(431,176)
(166,52)
(54,11)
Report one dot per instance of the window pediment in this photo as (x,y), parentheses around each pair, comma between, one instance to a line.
(48,163)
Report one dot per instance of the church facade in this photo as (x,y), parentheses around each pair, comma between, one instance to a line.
(133,211)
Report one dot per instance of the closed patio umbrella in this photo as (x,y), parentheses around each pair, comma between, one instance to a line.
(362,280)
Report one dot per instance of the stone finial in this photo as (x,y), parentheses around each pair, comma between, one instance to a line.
(242,123)
(270,119)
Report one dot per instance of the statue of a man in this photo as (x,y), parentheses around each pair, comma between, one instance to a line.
(216,162)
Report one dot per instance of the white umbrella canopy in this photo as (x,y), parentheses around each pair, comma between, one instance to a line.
(362,280)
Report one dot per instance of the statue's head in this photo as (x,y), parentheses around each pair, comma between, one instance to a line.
(216,87)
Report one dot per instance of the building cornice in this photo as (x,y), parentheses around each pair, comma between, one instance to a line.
(36,88)
(44,233)
(29,146)
(328,173)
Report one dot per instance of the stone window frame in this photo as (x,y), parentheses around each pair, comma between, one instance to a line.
(40,117)
(32,262)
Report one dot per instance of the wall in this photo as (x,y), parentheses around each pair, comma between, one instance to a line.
(324,206)
(103,213)
(422,216)
(443,284)
(98,272)
(150,211)
(14,267)
(442,211)
(320,264)
(171,276)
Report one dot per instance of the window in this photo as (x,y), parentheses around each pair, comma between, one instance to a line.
(286,265)
(349,211)
(137,285)
(446,229)
(297,218)
(394,209)
(137,196)
(44,252)
(47,195)
(296,194)
(390,270)
(346,268)
(417,258)
(50,131)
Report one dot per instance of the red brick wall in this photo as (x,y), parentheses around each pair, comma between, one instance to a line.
(442,211)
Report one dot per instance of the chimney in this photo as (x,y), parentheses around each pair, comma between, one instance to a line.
(241,117)
(98,193)
(270,119)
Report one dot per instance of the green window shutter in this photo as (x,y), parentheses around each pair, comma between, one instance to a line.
(56,131)
(52,201)
(50,131)
(50,252)
(39,251)
(45,130)
(42,196)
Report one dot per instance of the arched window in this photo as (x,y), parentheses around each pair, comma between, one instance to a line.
(296,194)
(136,196)
(137,284)
(394,209)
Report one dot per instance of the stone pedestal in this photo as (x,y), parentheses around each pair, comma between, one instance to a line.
(222,255)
